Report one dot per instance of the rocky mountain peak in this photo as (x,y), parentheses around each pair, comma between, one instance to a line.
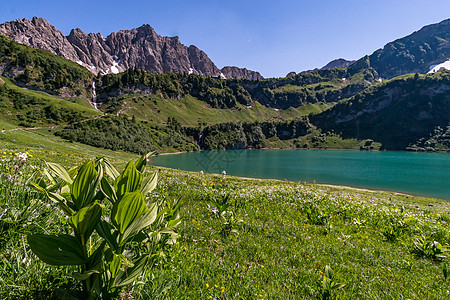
(40,22)
(39,33)
(338,63)
(140,48)
(235,72)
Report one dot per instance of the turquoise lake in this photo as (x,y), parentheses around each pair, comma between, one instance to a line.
(426,174)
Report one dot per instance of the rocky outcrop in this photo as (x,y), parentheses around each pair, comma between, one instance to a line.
(140,48)
(39,33)
(338,63)
(235,72)
(290,74)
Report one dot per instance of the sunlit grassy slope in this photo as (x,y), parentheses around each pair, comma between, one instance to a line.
(190,111)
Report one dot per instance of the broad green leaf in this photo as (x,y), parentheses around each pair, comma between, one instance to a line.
(73,171)
(110,170)
(108,190)
(83,188)
(168,230)
(85,220)
(127,210)
(149,183)
(85,275)
(58,250)
(37,187)
(50,177)
(132,273)
(115,264)
(174,223)
(108,233)
(65,189)
(140,223)
(60,172)
(62,202)
(129,181)
(141,163)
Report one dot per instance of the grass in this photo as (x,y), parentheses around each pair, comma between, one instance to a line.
(47,146)
(287,235)
(189,111)
(281,253)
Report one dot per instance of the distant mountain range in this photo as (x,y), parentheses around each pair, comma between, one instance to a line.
(144,49)
(140,48)
(420,52)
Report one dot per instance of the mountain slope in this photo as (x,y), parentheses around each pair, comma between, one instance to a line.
(398,113)
(415,53)
(41,70)
(140,48)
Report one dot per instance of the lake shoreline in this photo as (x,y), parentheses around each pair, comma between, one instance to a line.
(402,172)
(332,149)
(334,186)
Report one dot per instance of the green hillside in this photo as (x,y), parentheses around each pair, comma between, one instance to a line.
(30,108)
(42,70)
(397,114)
(315,87)
(190,111)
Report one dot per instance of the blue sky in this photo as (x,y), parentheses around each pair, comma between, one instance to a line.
(272,37)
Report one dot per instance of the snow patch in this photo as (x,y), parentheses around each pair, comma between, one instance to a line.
(380,80)
(436,68)
(191,71)
(222,76)
(114,67)
(344,79)
(80,62)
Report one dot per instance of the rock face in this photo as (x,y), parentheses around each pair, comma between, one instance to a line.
(290,74)
(338,63)
(416,53)
(140,48)
(235,72)
(39,33)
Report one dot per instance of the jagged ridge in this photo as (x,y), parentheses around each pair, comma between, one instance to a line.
(140,48)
